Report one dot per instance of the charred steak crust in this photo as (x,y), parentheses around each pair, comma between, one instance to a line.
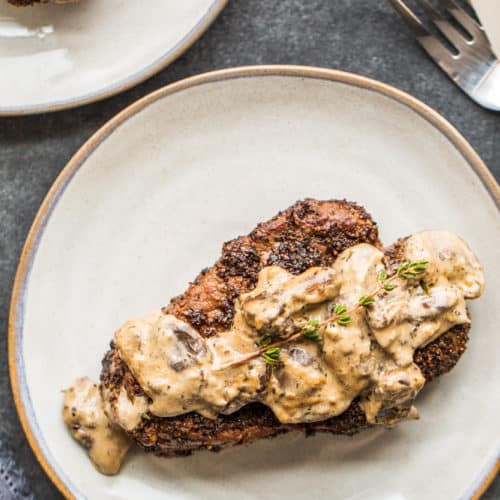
(309,233)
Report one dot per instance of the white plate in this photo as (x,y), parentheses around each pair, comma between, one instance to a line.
(147,203)
(59,56)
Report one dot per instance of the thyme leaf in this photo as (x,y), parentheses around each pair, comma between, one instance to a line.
(340,309)
(382,277)
(344,320)
(310,331)
(408,270)
(366,300)
(272,356)
(264,340)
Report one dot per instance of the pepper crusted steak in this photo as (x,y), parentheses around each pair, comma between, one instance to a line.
(309,233)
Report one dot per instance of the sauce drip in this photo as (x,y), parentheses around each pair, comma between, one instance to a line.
(83,413)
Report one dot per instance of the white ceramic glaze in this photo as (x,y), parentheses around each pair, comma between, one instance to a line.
(56,56)
(151,206)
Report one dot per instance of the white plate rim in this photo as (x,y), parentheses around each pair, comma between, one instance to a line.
(132,80)
(15,327)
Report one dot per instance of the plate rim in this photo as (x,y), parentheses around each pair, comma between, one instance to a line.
(15,356)
(130,81)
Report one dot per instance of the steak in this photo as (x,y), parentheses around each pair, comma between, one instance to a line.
(309,233)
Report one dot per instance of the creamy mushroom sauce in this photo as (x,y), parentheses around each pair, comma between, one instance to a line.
(371,358)
(84,415)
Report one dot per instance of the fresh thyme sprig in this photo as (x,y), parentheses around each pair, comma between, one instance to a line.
(408,270)
(405,271)
(261,352)
(342,315)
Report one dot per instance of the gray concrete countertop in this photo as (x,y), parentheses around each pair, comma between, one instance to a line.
(362,36)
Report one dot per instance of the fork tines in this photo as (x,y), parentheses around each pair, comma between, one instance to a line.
(433,46)
(474,61)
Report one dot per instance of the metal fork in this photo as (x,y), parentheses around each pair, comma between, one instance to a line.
(475,68)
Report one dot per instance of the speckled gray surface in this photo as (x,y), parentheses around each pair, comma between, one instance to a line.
(362,36)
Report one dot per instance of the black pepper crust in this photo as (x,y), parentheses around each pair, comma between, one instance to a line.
(309,233)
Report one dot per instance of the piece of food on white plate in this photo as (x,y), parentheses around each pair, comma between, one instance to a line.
(308,324)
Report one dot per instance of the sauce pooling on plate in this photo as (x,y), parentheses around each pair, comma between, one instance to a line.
(84,415)
(370,357)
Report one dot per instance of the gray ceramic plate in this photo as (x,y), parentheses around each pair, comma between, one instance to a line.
(148,201)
